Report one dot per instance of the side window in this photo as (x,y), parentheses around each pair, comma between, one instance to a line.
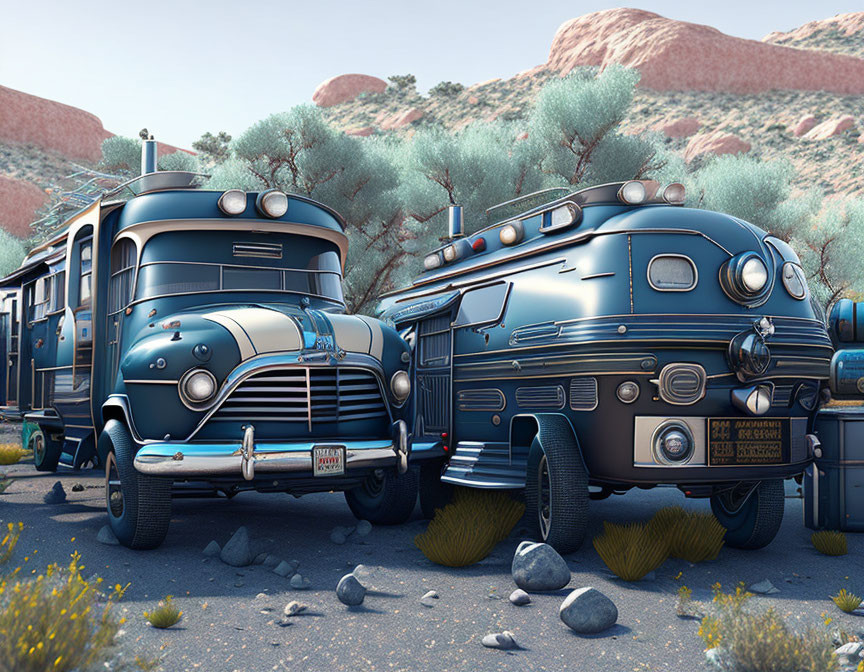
(672,273)
(482,306)
(57,300)
(85,290)
(123,259)
(40,295)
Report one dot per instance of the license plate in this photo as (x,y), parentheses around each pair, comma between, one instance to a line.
(328,460)
(747,441)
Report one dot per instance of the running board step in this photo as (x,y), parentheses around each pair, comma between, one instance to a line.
(485,465)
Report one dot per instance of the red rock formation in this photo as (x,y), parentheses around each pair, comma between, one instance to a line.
(674,55)
(830,128)
(804,125)
(844,24)
(20,200)
(342,88)
(49,125)
(401,119)
(715,143)
(363,132)
(680,128)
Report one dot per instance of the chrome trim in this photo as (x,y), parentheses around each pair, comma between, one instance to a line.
(644,429)
(151,382)
(659,456)
(675,256)
(189,403)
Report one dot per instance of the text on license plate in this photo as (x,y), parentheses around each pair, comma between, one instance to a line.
(328,460)
(747,440)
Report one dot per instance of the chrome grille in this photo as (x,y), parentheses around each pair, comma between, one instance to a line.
(782,397)
(434,399)
(583,393)
(682,384)
(480,400)
(299,394)
(547,396)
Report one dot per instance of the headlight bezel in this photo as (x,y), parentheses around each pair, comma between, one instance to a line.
(664,429)
(798,276)
(273,211)
(185,397)
(403,379)
(735,286)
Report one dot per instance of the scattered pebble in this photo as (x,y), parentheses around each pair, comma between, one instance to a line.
(431,595)
(294,607)
(212,549)
(283,569)
(519,597)
(299,582)
(539,567)
(337,536)
(588,611)
(106,536)
(350,591)
(261,596)
(764,587)
(237,552)
(77,487)
(57,495)
(500,640)
(259,559)
(271,560)
(364,527)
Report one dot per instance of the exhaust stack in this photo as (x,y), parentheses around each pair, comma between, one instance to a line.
(456,227)
(149,151)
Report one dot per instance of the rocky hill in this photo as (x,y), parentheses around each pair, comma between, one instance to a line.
(798,95)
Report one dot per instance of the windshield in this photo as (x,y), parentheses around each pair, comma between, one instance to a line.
(295,265)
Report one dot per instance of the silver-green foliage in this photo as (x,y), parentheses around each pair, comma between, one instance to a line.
(11,252)
(121,154)
(179,160)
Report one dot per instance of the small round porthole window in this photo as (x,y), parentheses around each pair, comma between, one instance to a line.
(672,273)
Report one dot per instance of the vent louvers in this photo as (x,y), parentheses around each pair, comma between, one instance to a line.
(583,393)
(260,250)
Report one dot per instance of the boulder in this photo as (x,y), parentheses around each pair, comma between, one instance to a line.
(300,582)
(683,127)
(538,567)
(56,495)
(212,549)
(342,88)
(283,569)
(364,527)
(401,119)
(237,552)
(807,122)
(715,143)
(20,202)
(588,611)
(350,591)
(679,56)
(830,128)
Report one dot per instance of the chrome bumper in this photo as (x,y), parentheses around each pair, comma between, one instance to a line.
(182,460)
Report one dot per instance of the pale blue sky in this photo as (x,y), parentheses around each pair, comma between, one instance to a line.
(181,67)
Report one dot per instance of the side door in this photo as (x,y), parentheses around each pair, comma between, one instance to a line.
(10,306)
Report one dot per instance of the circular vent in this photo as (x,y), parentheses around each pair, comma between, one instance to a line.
(682,384)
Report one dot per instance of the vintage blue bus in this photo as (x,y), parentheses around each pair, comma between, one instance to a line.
(609,339)
(187,340)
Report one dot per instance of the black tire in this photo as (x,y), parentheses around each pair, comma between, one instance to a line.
(556,489)
(138,505)
(433,493)
(751,520)
(46,451)
(385,498)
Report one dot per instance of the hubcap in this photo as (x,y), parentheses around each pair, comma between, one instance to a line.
(374,485)
(38,443)
(544,501)
(113,488)
(731,501)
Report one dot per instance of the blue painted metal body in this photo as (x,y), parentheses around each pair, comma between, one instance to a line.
(144,291)
(555,322)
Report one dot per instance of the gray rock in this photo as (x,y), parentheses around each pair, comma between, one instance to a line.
(337,536)
(350,591)
(520,598)
(588,611)
(764,587)
(261,596)
(431,595)
(237,552)
(364,527)
(106,536)
(271,560)
(57,495)
(293,608)
(299,582)
(212,549)
(850,654)
(259,559)
(283,569)
(500,640)
(77,487)
(538,567)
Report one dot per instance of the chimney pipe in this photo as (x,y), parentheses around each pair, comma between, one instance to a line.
(148,156)
(456,228)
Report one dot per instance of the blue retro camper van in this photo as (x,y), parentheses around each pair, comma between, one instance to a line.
(197,341)
(611,339)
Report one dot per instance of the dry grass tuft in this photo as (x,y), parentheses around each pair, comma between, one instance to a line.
(631,551)
(847,601)
(829,543)
(10,541)
(466,530)
(11,453)
(691,536)
(165,614)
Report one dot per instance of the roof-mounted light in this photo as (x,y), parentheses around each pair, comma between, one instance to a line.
(233,202)
(433,261)
(633,193)
(512,233)
(272,203)
(458,249)
(561,217)
(674,194)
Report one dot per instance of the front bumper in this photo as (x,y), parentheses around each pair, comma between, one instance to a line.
(182,460)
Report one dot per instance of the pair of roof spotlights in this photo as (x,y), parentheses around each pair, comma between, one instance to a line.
(271,203)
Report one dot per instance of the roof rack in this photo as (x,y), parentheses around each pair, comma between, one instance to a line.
(158,181)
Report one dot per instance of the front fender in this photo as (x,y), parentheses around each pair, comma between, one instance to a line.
(549,428)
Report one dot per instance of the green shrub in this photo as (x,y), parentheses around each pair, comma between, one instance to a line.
(761,641)
(446,89)
(631,551)
(466,530)
(165,614)
(691,536)
(847,601)
(829,543)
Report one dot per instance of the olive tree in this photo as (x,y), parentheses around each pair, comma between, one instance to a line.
(121,154)
(11,252)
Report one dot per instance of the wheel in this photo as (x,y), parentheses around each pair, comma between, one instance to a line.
(751,516)
(46,451)
(138,505)
(385,498)
(556,492)
(433,493)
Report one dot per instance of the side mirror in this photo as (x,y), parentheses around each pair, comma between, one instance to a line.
(847,374)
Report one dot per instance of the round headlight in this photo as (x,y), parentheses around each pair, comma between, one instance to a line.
(794,281)
(197,387)
(628,392)
(272,203)
(433,261)
(233,202)
(633,192)
(673,443)
(511,234)
(400,386)
(754,275)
